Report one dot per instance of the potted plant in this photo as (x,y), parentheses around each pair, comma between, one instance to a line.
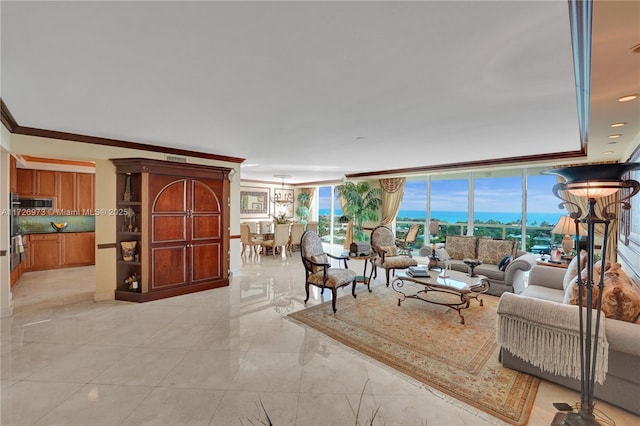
(303,209)
(281,218)
(361,205)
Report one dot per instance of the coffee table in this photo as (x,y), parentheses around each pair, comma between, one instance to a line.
(457,283)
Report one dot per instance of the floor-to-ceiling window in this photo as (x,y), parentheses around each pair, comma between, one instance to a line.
(542,211)
(501,204)
(497,204)
(449,204)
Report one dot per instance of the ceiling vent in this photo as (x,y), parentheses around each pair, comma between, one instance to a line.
(175,158)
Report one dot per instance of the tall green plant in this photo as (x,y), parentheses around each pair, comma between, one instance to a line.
(303,208)
(362,204)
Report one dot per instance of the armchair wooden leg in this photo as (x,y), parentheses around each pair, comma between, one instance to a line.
(334,296)
(353,289)
(306,288)
(387,275)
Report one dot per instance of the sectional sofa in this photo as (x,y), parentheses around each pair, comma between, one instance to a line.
(502,263)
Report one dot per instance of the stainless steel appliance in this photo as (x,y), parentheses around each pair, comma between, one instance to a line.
(34,203)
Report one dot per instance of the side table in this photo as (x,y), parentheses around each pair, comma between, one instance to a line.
(369,258)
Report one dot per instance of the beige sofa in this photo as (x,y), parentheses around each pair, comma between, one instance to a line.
(509,277)
(541,304)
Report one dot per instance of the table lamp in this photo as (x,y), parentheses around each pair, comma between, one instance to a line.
(567,227)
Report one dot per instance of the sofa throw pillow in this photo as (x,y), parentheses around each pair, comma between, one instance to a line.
(493,251)
(573,293)
(620,297)
(321,258)
(461,247)
(572,269)
(390,250)
(504,263)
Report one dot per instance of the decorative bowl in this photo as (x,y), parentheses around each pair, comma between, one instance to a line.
(59,227)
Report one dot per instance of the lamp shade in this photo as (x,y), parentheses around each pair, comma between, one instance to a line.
(566,226)
(594,180)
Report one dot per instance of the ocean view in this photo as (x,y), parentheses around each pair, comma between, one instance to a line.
(458,216)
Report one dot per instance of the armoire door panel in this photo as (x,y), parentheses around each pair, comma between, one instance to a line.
(205,226)
(168,266)
(170,195)
(205,261)
(204,198)
(168,228)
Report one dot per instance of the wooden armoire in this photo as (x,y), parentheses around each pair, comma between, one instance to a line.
(176,217)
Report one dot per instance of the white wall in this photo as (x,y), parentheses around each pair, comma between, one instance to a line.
(5,272)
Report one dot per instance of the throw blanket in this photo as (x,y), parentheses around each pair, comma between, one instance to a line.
(547,335)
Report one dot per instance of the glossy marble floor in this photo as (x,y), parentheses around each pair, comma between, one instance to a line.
(211,358)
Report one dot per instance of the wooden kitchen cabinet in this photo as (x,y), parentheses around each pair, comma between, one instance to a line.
(76,192)
(85,192)
(179,219)
(13,174)
(78,248)
(40,183)
(59,250)
(45,251)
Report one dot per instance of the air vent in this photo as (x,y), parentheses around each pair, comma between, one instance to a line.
(175,158)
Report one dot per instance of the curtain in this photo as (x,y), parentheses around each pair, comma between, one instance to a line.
(349,237)
(392,194)
(601,203)
(311,192)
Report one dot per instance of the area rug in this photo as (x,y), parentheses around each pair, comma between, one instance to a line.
(428,343)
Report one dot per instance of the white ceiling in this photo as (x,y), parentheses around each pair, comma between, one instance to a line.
(318,90)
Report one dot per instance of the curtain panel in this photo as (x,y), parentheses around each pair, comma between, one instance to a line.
(392,194)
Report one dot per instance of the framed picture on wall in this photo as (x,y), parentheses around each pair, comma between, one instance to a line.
(254,202)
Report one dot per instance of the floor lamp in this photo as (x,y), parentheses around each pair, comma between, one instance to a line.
(591,182)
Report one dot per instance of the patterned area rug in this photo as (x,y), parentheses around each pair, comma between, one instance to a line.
(428,343)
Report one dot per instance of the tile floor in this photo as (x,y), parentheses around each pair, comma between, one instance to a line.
(210,358)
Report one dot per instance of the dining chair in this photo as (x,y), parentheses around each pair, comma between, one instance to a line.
(297,229)
(318,271)
(248,240)
(312,226)
(280,238)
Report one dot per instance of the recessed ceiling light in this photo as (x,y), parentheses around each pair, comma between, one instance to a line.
(607,153)
(612,143)
(627,98)
(360,138)
(616,136)
(620,124)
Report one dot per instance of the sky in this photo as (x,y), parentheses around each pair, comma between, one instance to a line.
(491,195)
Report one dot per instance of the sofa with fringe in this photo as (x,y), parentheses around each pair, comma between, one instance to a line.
(538,335)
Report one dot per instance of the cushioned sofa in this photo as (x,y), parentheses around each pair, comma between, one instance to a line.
(502,263)
(540,306)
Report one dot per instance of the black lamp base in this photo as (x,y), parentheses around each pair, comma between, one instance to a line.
(563,418)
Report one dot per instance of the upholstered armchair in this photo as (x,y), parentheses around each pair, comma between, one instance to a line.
(383,244)
(318,271)
(404,243)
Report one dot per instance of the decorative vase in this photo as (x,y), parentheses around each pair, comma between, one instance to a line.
(128,250)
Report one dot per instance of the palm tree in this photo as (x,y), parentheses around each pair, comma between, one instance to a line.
(361,205)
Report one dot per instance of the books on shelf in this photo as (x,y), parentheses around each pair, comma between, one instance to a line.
(417,271)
